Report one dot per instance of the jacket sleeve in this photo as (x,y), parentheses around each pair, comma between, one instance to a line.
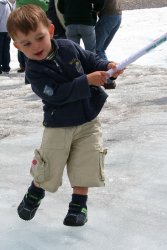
(2,8)
(54,92)
(60,6)
(98,5)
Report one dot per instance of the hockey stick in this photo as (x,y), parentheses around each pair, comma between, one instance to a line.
(138,54)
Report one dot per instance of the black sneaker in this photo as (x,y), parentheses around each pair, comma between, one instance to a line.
(29,205)
(76,216)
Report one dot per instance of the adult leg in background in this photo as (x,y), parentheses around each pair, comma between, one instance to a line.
(72,33)
(88,36)
(6,53)
(105,28)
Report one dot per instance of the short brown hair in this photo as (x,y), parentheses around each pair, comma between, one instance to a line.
(26,19)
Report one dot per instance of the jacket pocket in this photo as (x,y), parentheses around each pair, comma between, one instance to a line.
(102,154)
(39,168)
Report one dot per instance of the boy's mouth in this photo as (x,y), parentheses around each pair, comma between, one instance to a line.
(39,53)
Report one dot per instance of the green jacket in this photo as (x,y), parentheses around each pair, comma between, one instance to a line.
(41,3)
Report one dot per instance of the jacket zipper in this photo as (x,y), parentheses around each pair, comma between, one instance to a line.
(58,66)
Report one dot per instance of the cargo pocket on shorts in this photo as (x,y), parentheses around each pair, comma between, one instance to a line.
(102,154)
(39,168)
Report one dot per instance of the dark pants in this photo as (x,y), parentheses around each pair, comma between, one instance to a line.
(21,59)
(4,52)
(26,80)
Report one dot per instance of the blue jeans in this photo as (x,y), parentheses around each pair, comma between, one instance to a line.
(4,52)
(105,28)
(75,32)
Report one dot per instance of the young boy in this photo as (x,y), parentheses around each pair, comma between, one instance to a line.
(68,79)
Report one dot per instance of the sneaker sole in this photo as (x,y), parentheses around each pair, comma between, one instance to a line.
(70,221)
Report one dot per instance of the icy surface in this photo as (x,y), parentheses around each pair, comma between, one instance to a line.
(130,213)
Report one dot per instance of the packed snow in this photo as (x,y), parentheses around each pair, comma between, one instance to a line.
(130,212)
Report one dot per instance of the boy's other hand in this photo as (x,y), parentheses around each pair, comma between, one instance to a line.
(97,78)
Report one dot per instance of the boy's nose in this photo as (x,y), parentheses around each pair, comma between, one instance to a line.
(35,46)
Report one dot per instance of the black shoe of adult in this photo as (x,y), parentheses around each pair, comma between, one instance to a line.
(110,85)
(21,70)
(29,205)
(76,216)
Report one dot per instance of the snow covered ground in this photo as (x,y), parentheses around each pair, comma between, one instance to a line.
(130,213)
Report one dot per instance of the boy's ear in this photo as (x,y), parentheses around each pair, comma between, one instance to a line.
(16,45)
(51,30)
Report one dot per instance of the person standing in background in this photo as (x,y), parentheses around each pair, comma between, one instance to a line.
(5,10)
(80,20)
(109,21)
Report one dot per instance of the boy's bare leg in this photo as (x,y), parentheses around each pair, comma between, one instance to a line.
(80,190)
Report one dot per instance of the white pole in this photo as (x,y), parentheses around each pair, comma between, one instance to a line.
(138,54)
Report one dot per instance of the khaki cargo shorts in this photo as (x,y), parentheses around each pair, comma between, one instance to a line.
(79,148)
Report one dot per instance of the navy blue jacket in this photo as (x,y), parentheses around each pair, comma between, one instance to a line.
(63,87)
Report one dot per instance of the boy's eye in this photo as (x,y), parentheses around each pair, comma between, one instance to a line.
(40,38)
(26,44)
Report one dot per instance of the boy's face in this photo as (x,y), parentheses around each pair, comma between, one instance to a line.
(35,45)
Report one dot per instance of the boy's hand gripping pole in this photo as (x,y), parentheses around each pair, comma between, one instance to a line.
(138,54)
